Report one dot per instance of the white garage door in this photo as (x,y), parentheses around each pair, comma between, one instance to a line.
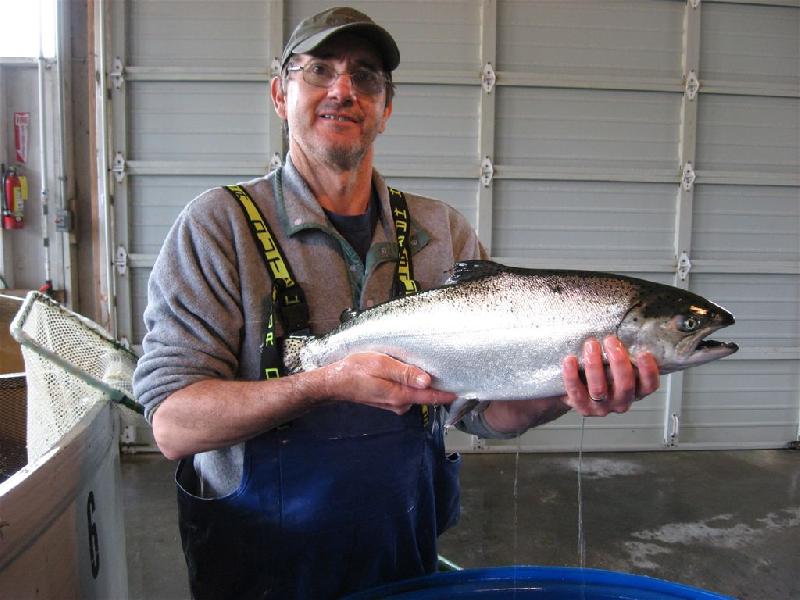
(659,138)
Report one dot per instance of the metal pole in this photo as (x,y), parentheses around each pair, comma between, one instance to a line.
(63,214)
(104,190)
(48,283)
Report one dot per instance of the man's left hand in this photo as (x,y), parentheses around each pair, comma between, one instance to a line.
(613,391)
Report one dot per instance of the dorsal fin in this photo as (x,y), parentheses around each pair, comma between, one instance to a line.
(471,270)
(347,314)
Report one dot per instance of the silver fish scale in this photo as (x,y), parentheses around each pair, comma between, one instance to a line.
(502,336)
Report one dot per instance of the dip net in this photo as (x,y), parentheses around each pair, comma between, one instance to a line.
(71,364)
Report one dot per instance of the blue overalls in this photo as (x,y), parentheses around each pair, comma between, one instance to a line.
(341,499)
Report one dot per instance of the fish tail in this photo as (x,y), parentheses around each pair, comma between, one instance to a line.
(292,352)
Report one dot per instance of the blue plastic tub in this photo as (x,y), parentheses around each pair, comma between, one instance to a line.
(539,583)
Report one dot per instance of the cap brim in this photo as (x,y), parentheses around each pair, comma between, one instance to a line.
(374,33)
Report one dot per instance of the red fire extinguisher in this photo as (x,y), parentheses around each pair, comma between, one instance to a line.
(14,196)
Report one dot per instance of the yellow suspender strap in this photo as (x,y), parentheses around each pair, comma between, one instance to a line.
(263,234)
(287,296)
(404,282)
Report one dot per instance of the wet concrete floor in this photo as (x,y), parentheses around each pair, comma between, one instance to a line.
(726,521)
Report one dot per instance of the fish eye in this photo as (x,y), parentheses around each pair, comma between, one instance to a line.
(689,324)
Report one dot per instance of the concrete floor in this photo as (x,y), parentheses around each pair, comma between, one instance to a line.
(723,521)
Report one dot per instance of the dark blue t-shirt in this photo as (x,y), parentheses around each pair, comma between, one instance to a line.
(357,229)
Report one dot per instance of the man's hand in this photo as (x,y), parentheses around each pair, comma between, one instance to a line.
(381,381)
(613,392)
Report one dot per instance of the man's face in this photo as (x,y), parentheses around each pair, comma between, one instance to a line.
(335,126)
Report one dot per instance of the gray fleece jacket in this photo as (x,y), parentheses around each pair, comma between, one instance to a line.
(208,290)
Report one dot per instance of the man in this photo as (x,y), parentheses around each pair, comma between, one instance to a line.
(321,483)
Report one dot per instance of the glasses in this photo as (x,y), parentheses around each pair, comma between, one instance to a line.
(365,81)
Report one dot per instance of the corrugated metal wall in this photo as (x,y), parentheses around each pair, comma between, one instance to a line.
(589,144)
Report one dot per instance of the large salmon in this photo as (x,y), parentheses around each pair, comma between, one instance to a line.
(494,332)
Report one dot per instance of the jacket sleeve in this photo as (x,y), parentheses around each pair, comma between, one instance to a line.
(193,317)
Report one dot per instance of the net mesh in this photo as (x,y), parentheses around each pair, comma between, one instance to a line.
(13,455)
(71,364)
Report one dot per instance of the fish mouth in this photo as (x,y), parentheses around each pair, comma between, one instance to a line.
(715,348)
(697,350)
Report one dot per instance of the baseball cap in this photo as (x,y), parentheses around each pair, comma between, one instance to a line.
(313,31)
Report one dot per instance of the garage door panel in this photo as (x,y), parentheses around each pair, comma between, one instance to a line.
(198,32)
(461,194)
(740,402)
(640,427)
(550,219)
(748,133)
(765,307)
(179,121)
(156,202)
(431,34)
(590,37)
(431,125)
(561,127)
(754,44)
(756,435)
(746,223)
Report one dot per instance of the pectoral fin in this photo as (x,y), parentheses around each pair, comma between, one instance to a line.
(463,406)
